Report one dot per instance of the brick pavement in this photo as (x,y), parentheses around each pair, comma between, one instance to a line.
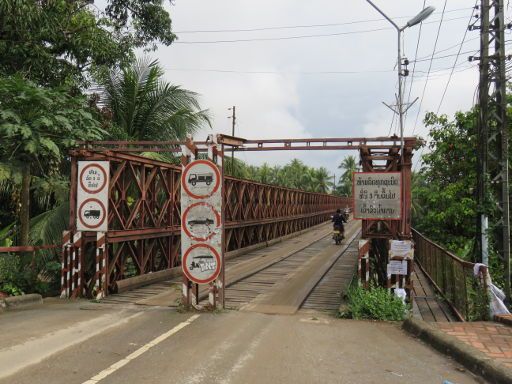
(494,339)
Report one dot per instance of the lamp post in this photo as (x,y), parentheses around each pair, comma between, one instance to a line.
(426,12)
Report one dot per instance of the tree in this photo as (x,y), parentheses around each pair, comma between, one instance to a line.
(145,107)
(320,180)
(344,186)
(444,189)
(58,42)
(37,125)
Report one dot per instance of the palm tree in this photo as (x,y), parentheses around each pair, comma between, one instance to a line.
(321,180)
(350,166)
(144,106)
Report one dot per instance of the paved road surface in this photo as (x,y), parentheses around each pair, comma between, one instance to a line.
(159,345)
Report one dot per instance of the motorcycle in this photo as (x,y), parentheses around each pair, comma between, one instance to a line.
(338,235)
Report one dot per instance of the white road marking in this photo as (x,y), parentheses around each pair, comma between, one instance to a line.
(15,358)
(121,363)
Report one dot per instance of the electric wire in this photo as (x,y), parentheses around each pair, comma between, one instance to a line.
(429,68)
(257,29)
(456,59)
(306,73)
(297,36)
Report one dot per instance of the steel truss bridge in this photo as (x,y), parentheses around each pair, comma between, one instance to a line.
(143,234)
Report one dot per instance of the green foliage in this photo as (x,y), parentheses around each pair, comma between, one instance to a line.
(375,304)
(293,175)
(42,275)
(58,42)
(144,106)
(38,124)
(444,206)
(344,187)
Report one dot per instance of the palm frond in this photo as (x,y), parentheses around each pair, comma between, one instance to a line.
(47,227)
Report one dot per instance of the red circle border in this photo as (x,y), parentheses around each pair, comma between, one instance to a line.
(184,179)
(188,233)
(80,213)
(104,177)
(186,271)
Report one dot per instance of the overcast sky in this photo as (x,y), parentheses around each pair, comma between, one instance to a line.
(292,96)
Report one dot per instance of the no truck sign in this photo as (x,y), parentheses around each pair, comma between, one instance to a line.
(92,196)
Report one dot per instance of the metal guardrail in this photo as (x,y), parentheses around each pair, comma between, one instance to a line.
(453,278)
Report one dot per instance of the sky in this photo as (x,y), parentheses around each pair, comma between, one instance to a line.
(301,85)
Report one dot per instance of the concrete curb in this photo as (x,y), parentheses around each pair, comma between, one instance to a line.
(474,360)
(15,302)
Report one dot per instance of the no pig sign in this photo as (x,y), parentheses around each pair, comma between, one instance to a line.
(92,196)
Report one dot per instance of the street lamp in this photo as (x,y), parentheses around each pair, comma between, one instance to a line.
(426,12)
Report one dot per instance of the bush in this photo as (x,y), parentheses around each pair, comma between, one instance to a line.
(39,276)
(376,304)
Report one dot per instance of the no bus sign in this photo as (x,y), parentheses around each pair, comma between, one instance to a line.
(92,196)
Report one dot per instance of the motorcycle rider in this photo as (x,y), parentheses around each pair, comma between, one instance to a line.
(338,219)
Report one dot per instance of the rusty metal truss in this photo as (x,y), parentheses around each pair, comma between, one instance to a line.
(144,217)
(382,144)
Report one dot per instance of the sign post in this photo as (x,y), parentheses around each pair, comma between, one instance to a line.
(202,229)
(91,216)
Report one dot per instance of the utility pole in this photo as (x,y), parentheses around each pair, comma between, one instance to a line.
(483,134)
(493,133)
(233,122)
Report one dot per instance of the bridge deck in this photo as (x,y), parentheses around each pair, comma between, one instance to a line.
(300,261)
(428,305)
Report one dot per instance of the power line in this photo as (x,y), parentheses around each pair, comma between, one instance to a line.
(296,37)
(424,58)
(299,72)
(272,28)
(456,59)
(430,67)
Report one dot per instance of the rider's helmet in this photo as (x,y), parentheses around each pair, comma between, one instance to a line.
(338,210)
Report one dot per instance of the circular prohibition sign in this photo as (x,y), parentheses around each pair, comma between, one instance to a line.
(92,191)
(185,218)
(102,217)
(187,170)
(186,271)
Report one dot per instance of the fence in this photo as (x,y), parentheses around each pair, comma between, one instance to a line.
(453,278)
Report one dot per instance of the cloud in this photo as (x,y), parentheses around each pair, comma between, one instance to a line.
(299,99)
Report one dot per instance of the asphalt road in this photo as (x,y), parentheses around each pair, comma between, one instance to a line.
(159,345)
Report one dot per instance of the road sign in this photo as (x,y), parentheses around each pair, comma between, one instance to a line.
(377,195)
(200,179)
(201,221)
(93,178)
(92,196)
(92,213)
(201,263)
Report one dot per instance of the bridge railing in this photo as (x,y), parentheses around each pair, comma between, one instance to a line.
(453,278)
(144,214)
